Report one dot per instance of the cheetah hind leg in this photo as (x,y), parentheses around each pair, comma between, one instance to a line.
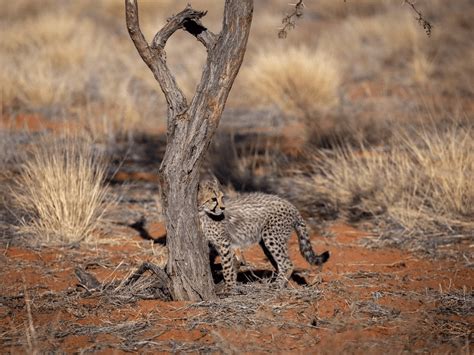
(278,255)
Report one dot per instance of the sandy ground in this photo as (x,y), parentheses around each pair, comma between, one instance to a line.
(369,300)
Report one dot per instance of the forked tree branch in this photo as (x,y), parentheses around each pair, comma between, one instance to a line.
(155,59)
(133,26)
(188,20)
(190,130)
(154,55)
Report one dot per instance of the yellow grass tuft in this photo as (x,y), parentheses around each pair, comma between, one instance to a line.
(61,191)
(422,182)
(299,81)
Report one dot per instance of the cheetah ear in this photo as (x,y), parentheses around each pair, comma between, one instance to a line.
(215,181)
(209,178)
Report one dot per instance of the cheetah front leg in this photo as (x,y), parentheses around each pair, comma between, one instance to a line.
(228,263)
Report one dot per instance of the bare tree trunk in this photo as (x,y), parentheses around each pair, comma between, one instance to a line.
(190,131)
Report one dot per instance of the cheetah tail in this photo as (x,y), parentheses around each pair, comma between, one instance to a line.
(305,246)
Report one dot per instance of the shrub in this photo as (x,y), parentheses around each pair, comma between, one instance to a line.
(61,191)
(299,81)
(421,182)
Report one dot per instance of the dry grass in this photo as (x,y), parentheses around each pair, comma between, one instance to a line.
(62,62)
(299,81)
(61,191)
(76,58)
(353,71)
(8,145)
(338,9)
(366,44)
(49,45)
(423,181)
(422,67)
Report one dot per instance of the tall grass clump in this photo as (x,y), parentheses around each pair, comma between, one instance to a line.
(63,62)
(299,81)
(422,182)
(41,56)
(61,191)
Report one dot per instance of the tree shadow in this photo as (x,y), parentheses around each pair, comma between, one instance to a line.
(250,276)
(139,226)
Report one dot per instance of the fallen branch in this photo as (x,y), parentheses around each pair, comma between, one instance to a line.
(157,287)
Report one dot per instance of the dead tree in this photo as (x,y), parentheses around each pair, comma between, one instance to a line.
(190,128)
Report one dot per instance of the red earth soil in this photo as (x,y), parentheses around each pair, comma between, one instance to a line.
(353,278)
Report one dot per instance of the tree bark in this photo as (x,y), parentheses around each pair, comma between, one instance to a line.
(190,129)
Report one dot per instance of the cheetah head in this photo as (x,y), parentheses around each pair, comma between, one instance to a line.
(210,197)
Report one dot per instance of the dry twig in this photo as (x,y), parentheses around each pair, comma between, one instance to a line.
(289,21)
(421,20)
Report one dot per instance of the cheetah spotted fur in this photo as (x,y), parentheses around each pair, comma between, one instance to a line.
(249,219)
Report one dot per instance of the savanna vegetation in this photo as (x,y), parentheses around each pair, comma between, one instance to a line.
(357,117)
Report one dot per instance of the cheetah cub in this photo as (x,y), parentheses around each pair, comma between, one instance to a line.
(248,219)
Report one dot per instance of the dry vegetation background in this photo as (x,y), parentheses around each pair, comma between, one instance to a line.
(357,116)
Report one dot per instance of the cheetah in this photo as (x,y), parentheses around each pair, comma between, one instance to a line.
(249,219)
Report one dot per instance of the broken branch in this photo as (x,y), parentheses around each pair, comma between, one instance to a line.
(189,21)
